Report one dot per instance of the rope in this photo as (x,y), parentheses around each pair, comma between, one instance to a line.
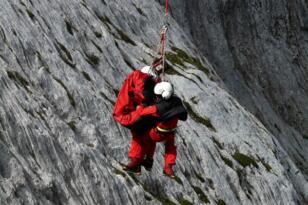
(163,39)
(167,7)
(163,48)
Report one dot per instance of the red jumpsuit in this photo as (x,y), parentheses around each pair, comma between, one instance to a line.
(126,111)
(144,144)
(131,95)
(164,132)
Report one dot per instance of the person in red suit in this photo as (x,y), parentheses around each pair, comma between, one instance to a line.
(170,110)
(137,90)
(135,104)
(159,128)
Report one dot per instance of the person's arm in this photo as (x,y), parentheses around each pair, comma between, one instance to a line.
(123,99)
(130,118)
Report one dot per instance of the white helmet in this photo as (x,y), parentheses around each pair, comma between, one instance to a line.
(164,89)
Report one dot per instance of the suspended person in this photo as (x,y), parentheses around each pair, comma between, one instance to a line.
(135,101)
(137,89)
(136,93)
(170,109)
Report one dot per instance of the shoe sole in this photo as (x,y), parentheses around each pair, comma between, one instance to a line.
(170,176)
(130,171)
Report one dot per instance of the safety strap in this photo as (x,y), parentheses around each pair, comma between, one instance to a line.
(165,130)
(163,41)
(163,48)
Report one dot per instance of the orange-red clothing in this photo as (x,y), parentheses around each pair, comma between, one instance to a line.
(145,144)
(136,89)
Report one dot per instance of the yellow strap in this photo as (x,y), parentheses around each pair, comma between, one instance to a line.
(165,130)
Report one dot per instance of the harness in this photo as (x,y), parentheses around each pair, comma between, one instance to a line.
(165,130)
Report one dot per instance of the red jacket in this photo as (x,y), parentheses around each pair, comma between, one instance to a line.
(132,94)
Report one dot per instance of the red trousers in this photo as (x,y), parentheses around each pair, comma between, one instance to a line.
(144,145)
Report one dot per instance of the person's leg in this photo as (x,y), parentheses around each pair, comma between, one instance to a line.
(150,147)
(136,153)
(136,149)
(170,155)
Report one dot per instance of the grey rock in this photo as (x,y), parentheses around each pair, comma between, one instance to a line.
(63,62)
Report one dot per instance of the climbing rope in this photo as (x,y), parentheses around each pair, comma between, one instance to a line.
(166,6)
(163,39)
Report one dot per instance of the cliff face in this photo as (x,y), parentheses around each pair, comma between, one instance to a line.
(259,49)
(63,62)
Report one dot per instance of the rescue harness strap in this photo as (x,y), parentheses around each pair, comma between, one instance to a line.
(165,130)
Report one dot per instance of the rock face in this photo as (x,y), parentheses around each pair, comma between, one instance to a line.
(259,49)
(63,62)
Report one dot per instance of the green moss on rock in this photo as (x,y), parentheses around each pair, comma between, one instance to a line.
(13,75)
(92,59)
(30,14)
(195,116)
(266,165)
(187,58)
(119,172)
(201,194)
(184,201)
(133,176)
(179,56)
(86,75)
(200,178)
(165,201)
(178,180)
(64,49)
(227,161)
(174,58)
(210,182)
(72,125)
(64,54)
(218,143)
(245,160)
(194,100)
(170,70)
(221,202)
(159,197)
(98,34)
(105,20)
(139,10)
(69,27)
(121,34)
(124,37)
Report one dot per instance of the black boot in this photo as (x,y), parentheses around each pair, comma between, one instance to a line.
(134,166)
(147,163)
